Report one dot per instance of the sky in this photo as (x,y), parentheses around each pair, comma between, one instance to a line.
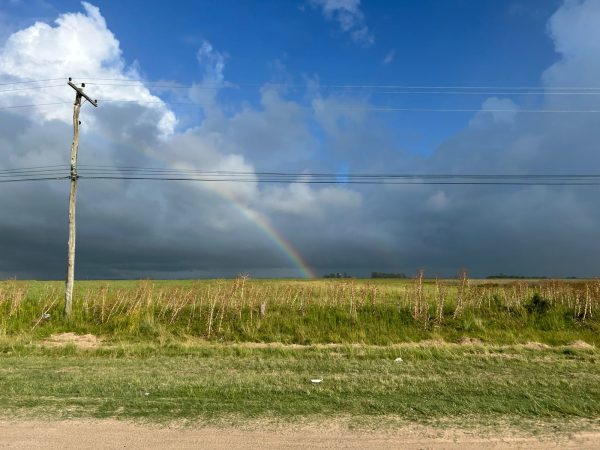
(257,86)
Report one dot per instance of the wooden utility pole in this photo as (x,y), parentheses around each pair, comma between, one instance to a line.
(79,94)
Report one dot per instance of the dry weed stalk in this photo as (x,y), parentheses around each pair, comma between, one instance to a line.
(184,302)
(44,314)
(263,309)
(419,303)
(192,312)
(351,299)
(440,297)
(462,292)
(117,305)
(17,295)
(212,310)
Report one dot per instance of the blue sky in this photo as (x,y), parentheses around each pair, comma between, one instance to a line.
(256,91)
(457,42)
(429,42)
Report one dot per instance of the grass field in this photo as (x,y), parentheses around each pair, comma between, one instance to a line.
(230,351)
(363,384)
(378,312)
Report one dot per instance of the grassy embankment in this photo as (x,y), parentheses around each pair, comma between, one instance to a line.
(308,312)
(191,350)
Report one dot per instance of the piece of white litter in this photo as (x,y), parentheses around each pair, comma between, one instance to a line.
(398,360)
(316,380)
(45,316)
(146,393)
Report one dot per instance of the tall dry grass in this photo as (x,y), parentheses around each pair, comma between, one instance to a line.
(333,310)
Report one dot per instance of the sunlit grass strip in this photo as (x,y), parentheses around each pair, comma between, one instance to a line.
(224,383)
(343,311)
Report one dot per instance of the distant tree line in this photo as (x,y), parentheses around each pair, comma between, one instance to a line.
(387,275)
(337,275)
(517,277)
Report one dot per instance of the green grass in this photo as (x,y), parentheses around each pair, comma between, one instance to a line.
(379,312)
(223,383)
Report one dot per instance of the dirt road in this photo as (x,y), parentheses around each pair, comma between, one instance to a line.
(110,434)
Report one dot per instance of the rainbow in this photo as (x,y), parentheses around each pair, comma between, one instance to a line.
(259,220)
(263,224)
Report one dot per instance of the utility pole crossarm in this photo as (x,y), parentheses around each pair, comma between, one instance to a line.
(83,94)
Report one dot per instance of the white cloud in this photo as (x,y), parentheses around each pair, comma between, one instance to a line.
(212,64)
(389,57)
(496,110)
(349,16)
(79,45)
(438,201)
(301,200)
(574,28)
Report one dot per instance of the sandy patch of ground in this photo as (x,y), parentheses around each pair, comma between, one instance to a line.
(582,345)
(110,434)
(535,345)
(89,341)
(465,341)
(78,340)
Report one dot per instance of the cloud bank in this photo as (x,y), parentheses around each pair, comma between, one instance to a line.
(183,229)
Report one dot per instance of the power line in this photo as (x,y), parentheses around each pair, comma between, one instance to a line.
(15,180)
(34,167)
(34,105)
(165,86)
(30,88)
(319,178)
(370,182)
(108,169)
(356,109)
(395,88)
(95,170)
(139,173)
(32,173)
(377,92)
(32,81)
(488,93)
(406,90)
(350,86)
(390,109)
